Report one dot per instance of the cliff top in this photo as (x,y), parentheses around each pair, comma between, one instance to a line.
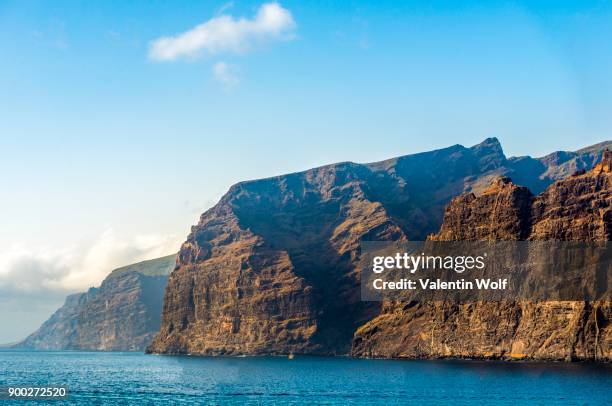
(487,155)
(152,267)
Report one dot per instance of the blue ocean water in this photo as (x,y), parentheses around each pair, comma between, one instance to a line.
(133,378)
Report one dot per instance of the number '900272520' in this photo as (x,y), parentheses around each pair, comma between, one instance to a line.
(33,392)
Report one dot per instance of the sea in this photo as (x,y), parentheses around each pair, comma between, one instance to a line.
(110,378)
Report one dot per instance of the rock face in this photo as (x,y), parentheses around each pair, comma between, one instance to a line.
(501,212)
(578,208)
(270,268)
(121,315)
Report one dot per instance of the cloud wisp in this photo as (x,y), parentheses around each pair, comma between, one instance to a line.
(225,33)
(226,74)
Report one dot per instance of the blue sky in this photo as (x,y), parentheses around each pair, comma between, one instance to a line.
(109,154)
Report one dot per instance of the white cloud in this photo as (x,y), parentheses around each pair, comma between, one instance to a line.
(226,34)
(226,74)
(77,268)
(35,282)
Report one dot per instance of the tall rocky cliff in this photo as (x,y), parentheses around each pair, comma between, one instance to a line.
(121,315)
(578,208)
(271,268)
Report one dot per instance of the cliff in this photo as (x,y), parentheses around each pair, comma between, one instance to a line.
(121,315)
(578,208)
(270,268)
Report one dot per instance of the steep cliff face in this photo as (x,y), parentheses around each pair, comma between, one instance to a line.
(578,208)
(270,268)
(121,315)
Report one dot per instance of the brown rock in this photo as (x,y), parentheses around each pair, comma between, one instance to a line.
(267,270)
(271,268)
(501,212)
(575,209)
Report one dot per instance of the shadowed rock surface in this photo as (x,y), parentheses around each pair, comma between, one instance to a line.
(270,268)
(121,315)
(578,208)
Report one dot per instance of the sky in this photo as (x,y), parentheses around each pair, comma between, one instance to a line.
(122,121)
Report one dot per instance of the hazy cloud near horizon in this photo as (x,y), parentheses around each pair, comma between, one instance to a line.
(35,281)
(23,269)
